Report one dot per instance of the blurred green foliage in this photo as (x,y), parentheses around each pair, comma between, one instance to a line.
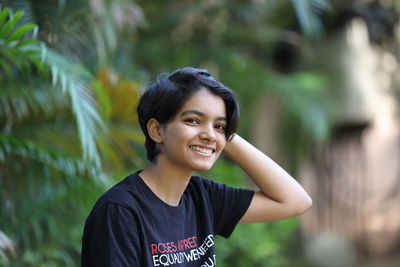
(71,73)
(49,106)
(238,42)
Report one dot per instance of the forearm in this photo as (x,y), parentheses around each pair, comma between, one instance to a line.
(273,181)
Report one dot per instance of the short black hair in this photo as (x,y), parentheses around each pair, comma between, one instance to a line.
(164,98)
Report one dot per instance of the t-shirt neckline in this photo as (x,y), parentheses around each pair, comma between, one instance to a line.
(155,197)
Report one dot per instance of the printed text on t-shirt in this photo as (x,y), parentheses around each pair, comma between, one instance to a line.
(185,250)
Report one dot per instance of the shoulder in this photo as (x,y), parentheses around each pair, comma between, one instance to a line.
(218,191)
(121,195)
(208,185)
(203,187)
(198,183)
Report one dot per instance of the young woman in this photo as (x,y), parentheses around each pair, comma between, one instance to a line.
(164,216)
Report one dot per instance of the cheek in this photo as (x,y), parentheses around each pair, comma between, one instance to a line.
(222,142)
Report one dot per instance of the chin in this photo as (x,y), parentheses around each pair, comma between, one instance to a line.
(203,167)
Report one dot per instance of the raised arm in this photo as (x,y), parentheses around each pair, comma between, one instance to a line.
(280,195)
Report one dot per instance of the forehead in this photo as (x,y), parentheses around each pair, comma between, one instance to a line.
(206,102)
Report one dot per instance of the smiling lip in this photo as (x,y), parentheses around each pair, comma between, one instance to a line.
(202,149)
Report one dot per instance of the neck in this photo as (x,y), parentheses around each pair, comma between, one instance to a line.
(167,183)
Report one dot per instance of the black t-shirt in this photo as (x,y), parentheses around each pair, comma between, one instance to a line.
(130,226)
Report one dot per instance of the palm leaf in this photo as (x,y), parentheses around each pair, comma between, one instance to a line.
(16,55)
(308,12)
(4,15)
(34,195)
(24,5)
(6,247)
(23,30)
(7,27)
(21,101)
(121,16)
(305,97)
(78,84)
(69,165)
(71,77)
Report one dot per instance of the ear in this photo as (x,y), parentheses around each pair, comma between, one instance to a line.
(155,130)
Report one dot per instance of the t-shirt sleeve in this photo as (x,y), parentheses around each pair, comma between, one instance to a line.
(111,238)
(229,205)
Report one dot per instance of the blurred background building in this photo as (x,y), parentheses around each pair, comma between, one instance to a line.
(353,177)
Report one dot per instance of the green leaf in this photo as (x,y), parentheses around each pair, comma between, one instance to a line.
(3,15)
(21,31)
(7,247)
(308,12)
(76,81)
(67,164)
(5,30)
(5,66)
(25,42)
(103,99)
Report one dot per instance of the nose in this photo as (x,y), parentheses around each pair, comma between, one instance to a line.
(208,133)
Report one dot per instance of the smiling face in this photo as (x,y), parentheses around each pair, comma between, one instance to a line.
(195,137)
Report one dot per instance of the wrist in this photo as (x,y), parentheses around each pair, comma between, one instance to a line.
(230,144)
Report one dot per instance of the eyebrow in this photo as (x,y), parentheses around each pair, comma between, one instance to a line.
(199,113)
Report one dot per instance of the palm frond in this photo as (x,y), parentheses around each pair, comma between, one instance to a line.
(24,5)
(78,84)
(7,27)
(7,248)
(36,187)
(71,77)
(21,101)
(308,13)
(110,19)
(17,53)
(305,96)
(69,165)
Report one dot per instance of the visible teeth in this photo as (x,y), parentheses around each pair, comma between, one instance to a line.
(201,149)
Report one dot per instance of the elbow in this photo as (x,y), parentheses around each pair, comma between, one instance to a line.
(307,202)
(304,204)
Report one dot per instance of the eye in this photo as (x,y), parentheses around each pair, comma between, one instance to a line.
(192,121)
(221,127)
